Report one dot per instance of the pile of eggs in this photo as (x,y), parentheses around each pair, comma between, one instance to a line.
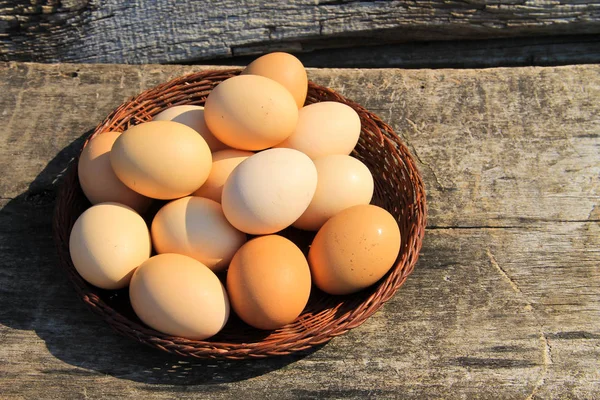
(252,161)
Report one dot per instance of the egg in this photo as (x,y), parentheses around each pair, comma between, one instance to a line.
(342,182)
(268,191)
(250,112)
(354,249)
(268,282)
(192,116)
(179,296)
(97,178)
(161,159)
(224,162)
(107,243)
(196,227)
(323,129)
(285,69)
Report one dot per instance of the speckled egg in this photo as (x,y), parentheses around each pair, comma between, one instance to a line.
(354,249)
(250,112)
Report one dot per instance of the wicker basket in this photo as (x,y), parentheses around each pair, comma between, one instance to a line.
(398,188)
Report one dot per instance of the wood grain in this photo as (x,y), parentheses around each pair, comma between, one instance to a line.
(164,31)
(504,301)
(511,52)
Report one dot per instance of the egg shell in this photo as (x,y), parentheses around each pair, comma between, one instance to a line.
(179,296)
(161,159)
(196,227)
(192,116)
(269,191)
(224,162)
(107,243)
(97,178)
(268,282)
(323,129)
(342,182)
(354,249)
(285,69)
(250,112)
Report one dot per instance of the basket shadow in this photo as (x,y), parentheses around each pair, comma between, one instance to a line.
(35,295)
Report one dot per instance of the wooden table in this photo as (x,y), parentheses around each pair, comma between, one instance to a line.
(504,301)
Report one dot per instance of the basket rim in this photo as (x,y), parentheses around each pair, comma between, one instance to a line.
(139,108)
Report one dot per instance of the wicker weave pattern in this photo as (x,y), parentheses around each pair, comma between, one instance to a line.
(398,188)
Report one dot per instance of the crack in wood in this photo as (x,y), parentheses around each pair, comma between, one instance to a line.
(503,273)
(547,349)
(547,360)
(442,187)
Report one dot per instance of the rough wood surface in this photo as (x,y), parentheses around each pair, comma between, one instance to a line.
(504,302)
(512,52)
(166,31)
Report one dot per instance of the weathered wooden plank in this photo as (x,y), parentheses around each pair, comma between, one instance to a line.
(505,299)
(513,52)
(165,31)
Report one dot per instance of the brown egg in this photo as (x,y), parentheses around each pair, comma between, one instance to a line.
(161,159)
(268,282)
(192,116)
(354,249)
(250,112)
(179,296)
(224,162)
(196,227)
(285,69)
(97,178)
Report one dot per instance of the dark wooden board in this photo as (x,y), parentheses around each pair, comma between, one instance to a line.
(505,299)
(512,52)
(165,31)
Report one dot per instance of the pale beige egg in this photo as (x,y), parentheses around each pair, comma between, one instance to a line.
(268,191)
(179,296)
(107,243)
(196,227)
